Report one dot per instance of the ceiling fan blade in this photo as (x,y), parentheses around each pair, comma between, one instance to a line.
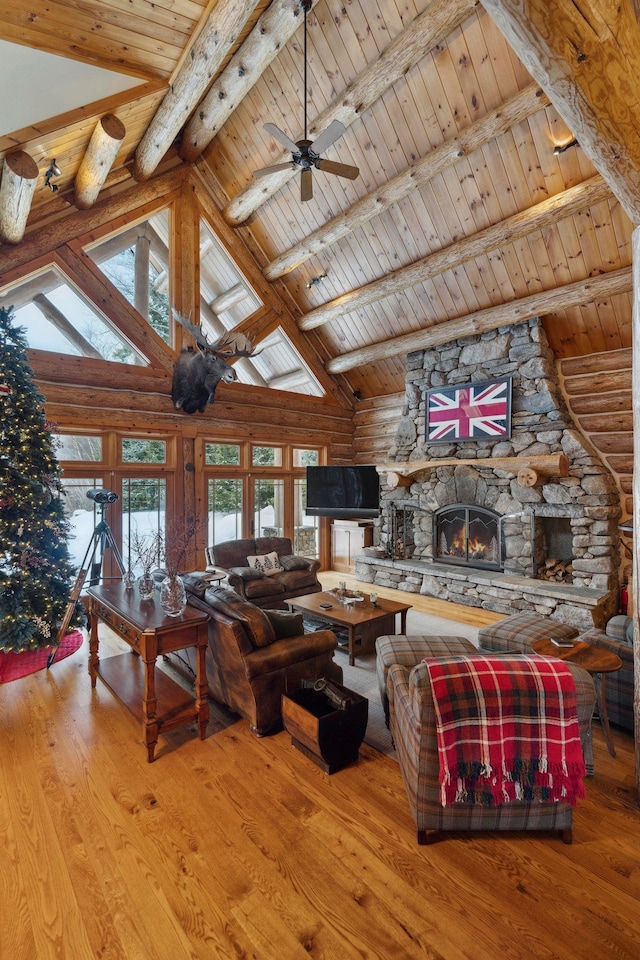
(306,184)
(340,169)
(276,168)
(328,136)
(281,137)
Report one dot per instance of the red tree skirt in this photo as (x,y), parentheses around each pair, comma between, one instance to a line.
(16,665)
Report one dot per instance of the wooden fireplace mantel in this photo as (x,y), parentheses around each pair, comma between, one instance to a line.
(528,470)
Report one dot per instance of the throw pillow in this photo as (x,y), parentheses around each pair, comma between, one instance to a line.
(294,563)
(268,563)
(286,623)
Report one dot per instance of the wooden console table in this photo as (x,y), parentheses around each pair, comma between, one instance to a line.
(154,698)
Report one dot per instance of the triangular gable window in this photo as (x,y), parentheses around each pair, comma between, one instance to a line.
(136,261)
(226,296)
(58,318)
(279,365)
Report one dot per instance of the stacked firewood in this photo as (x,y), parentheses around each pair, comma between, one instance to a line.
(554,569)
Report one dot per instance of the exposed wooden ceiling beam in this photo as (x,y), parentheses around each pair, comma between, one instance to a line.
(19,181)
(516,227)
(589,66)
(497,122)
(276,25)
(430,28)
(481,321)
(198,69)
(102,150)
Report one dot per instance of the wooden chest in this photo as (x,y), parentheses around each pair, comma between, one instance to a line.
(330,737)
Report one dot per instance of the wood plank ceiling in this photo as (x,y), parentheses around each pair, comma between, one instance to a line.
(461,206)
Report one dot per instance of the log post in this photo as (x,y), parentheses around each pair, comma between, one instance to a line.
(635,327)
(19,181)
(103,147)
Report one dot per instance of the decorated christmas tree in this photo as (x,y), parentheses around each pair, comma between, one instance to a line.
(35,570)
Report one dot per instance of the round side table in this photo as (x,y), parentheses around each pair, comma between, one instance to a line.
(595,660)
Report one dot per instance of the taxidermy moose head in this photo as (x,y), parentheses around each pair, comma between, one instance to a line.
(197,373)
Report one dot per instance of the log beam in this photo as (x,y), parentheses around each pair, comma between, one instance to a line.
(102,150)
(513,228)
(578,58)
(269,36)
(188,85)
(19,181)
(498,121)
(481,321)
(433,25)
(552,465)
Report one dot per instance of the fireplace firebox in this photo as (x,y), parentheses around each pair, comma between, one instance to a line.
(468,536)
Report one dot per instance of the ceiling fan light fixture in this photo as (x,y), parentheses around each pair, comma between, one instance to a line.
(306,153)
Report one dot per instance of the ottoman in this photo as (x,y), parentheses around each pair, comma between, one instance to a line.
(518,633)
(409,651)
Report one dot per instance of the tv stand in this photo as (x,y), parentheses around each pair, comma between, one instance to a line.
(348,540)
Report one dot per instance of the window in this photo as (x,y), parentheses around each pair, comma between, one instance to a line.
(57,317)
(266,456)
(136,261)
(143,514)
(135,450)
(79,448)
(222,454)
(224,498)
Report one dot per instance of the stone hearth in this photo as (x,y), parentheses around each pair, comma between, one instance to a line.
(575,514)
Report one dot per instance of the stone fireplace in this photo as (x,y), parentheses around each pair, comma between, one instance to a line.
(480,522)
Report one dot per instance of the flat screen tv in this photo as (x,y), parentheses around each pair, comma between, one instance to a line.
(344,493)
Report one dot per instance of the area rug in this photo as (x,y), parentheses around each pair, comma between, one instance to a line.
(362,677)
(13,666)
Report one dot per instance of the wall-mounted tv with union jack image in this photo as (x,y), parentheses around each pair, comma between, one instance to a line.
(475,411)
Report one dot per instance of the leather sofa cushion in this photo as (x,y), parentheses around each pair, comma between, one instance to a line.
(234,553)
(281,546)
(296,579)
(255,621)
(264,587)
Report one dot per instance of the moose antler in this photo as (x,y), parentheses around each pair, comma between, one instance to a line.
(228,346)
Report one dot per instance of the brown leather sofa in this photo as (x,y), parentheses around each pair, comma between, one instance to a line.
(299,575)
(255,655)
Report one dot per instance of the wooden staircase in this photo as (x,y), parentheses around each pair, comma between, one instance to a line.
(597,390)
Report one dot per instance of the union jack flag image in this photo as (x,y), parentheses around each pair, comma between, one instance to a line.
(466,413)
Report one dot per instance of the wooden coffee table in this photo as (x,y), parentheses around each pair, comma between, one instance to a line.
(596,661)
(363,620)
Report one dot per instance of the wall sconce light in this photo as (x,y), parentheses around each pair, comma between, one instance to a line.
(316,280)
(53,171)
(557,150)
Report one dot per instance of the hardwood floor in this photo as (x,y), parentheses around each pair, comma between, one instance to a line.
(242,848)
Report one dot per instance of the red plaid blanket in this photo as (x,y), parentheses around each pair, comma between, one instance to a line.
(507,729)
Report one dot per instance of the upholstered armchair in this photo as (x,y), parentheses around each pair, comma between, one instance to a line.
(413,727)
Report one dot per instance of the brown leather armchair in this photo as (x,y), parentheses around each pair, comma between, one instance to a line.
(255,655)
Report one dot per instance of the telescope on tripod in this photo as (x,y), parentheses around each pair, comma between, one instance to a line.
(101,541)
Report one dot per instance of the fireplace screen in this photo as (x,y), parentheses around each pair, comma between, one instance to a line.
(467,536)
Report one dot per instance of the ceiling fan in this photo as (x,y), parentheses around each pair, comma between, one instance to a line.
(306,153)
